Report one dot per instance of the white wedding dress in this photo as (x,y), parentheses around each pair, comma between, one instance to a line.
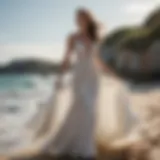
(76,134)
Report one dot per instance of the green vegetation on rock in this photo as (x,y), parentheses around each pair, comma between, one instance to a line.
(130,47)
(136,39)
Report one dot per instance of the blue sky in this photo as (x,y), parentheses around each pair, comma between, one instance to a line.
(37,28)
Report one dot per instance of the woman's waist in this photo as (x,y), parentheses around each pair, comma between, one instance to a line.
(85,78)
(84,73)
(84,66)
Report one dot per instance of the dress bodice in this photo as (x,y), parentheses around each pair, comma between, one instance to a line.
(84,67)
(84,55)
(82,50)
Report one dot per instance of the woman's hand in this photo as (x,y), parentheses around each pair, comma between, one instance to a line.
(58,84)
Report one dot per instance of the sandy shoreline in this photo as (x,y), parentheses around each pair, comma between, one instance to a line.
(110,132)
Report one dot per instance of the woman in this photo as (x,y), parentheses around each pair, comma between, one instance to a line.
(76,137)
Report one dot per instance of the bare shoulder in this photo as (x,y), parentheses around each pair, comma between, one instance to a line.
(71,39)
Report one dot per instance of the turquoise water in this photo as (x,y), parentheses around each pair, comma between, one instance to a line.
(8,82)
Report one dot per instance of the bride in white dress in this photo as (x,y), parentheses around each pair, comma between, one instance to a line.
(76,137)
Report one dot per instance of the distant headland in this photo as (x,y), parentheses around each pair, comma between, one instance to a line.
(31,66)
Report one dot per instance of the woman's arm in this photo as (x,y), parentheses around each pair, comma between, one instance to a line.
(66,61)
(68,53)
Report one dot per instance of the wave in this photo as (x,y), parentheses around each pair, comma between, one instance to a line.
(21,99)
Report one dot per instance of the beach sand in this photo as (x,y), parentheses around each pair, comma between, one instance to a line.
(112,143)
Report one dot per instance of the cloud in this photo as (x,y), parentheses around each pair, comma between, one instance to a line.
(51,52)
(140,7)
(137,10)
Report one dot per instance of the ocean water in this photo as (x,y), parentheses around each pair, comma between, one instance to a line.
(21,97)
